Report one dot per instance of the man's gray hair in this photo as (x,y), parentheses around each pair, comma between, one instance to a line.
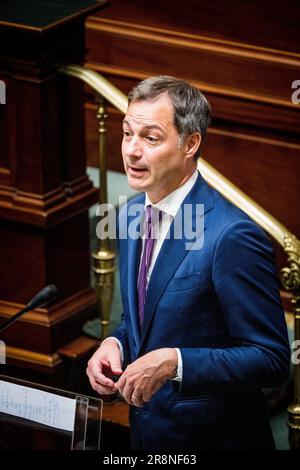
(192,111)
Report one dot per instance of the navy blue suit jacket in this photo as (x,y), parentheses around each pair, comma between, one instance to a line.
(220,305)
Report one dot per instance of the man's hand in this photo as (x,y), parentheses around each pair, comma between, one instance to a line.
(147,374)
(105,363)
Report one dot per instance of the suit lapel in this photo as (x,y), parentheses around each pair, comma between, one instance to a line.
(134,245)
(174,250)
(134,249)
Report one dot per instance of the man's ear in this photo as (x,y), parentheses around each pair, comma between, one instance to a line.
(192,143)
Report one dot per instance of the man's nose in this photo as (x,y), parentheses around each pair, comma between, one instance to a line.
(134,149)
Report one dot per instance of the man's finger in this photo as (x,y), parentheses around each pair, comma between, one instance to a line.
(102,390)
(137,400)
(101,379)
(120,384)
(115,365)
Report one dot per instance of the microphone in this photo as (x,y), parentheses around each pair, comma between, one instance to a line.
(42,297)
(46,294)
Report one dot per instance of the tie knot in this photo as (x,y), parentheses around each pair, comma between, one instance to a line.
(152,218)
(148,214)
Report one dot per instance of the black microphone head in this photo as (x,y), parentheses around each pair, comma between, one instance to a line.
(46,294)
(49,292)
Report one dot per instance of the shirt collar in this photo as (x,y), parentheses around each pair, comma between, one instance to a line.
(171,203)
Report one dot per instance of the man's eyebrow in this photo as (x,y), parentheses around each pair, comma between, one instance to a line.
(153,126)
(146,126)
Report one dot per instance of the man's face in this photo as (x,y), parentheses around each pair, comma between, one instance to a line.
(153,159)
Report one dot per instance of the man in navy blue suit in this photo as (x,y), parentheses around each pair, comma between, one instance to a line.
(203,331)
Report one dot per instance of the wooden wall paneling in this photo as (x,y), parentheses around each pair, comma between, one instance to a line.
(44,190)
(233,66)
(256,164)
(33,258)
(246,73)
(266,168)
(38,154)
(261,24)
(72,119)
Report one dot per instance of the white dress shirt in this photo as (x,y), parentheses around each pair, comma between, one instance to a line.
(169,207)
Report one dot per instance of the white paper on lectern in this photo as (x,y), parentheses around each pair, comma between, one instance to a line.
(43,407)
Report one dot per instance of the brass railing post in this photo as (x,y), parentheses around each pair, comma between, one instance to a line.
(290,277)
(104,257)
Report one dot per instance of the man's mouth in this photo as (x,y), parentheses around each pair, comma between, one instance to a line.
(136,171)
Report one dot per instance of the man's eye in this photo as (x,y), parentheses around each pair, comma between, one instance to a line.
(151,139)
(126,133)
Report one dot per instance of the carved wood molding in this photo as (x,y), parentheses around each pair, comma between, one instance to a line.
(47,209)
(205,87)
(277,61)
(254,138)
(192,41)
(25,356)
(48,317)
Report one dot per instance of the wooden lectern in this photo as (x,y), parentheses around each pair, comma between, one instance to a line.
(44,190)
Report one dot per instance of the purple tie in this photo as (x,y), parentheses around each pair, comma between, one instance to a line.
(146,259)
